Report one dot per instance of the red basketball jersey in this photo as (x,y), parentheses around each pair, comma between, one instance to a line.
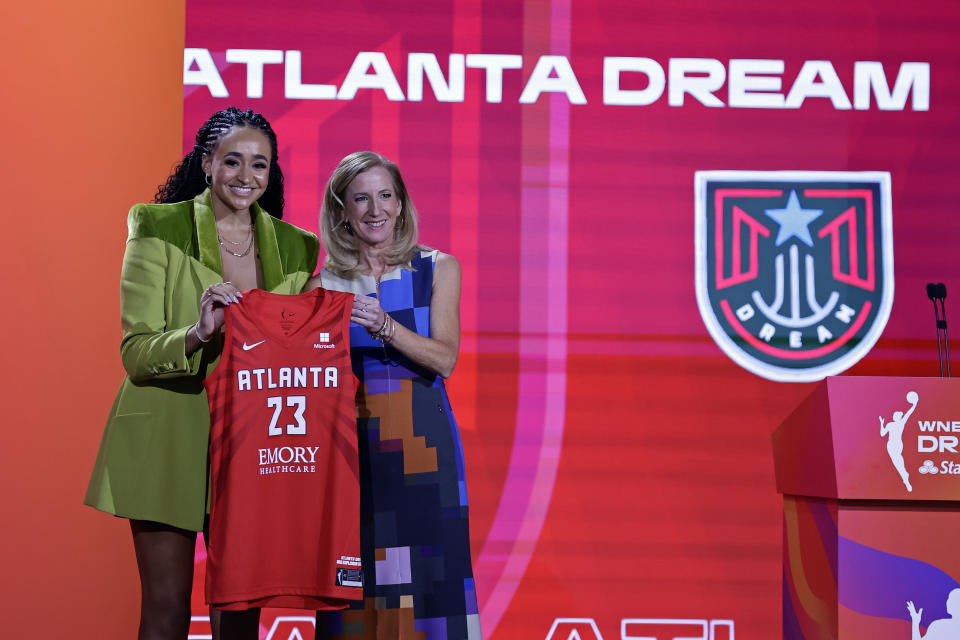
(285,510)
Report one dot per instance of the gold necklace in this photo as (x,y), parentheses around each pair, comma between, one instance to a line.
(236,244)
(227,249)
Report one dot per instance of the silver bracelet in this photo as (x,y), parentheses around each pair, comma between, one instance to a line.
(196,330)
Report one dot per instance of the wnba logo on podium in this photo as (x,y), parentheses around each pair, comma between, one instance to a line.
(893,430)
(794,269)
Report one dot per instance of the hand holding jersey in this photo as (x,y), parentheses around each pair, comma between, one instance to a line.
(367,313)
(213,301)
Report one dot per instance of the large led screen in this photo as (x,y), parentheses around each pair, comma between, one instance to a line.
(672,220)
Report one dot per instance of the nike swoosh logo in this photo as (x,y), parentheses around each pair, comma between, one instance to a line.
(247,347)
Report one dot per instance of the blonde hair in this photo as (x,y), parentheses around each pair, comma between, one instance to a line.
(343,256)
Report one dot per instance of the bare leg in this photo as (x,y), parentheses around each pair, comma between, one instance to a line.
(232,625)
(165,561)
(235,625)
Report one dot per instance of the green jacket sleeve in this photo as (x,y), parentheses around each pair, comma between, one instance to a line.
(151,347)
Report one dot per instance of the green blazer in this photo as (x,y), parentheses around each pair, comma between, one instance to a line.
(152,463)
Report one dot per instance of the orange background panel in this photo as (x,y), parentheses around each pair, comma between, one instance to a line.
(92,115)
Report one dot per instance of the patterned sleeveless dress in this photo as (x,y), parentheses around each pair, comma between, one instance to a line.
(418,578)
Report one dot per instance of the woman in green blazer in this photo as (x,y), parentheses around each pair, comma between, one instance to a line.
(187,257)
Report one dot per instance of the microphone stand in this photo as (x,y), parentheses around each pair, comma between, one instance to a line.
(938,292)
(942,290)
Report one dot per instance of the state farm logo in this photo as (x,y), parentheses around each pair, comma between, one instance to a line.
(934,436)
(929,467)
(794,269)
(323,341)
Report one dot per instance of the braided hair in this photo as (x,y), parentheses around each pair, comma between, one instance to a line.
(188,179)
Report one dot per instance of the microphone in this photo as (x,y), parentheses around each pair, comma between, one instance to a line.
(937,291)
(942,293)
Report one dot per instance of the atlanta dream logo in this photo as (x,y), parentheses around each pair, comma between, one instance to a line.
(794,272)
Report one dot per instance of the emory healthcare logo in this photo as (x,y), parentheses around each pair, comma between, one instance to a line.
(794,269)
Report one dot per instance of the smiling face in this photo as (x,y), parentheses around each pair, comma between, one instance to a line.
(371,207)
(239,168)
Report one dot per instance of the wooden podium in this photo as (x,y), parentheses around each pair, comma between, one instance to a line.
(869,469)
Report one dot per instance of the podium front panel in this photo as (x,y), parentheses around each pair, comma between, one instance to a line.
(896,438)
(850,568)
(873,438)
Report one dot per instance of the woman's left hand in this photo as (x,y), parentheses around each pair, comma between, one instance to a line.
(436,352)
(367,313)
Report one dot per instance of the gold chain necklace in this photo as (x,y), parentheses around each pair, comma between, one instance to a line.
(228,250)
(236,244)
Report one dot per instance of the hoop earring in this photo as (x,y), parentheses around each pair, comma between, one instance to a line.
(206,178)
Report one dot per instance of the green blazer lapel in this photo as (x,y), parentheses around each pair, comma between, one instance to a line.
(205,226)
(269,250)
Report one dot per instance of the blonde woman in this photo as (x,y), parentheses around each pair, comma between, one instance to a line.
(404,337)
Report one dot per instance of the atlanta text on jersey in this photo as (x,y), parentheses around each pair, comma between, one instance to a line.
(288,378)
(749,83)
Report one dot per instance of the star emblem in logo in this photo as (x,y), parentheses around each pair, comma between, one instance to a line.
(794,221)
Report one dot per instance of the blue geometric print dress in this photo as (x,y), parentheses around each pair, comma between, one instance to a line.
(418,578)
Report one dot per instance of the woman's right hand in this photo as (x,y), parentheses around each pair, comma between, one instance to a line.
(212,303)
